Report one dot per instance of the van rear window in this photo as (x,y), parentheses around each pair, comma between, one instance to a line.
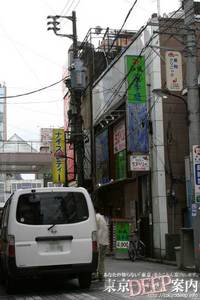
(52,208)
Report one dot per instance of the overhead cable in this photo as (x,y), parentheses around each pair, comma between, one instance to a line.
(34,91)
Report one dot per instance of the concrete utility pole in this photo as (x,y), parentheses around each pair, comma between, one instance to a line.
(192,76)
(77,85)
(193,114)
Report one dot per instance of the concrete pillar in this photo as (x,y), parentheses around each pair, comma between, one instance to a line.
(157,157)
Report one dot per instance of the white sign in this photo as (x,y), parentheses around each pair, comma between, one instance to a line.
(119,140)
(174,76)
(196,168)
(139,162)
(122,244)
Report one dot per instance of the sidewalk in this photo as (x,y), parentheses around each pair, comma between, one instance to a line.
(161,261)
(113,264)
(149,280)
(149,259)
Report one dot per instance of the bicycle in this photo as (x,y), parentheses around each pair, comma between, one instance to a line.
(136,247)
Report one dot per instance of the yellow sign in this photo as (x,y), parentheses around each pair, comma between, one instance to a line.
(59,164)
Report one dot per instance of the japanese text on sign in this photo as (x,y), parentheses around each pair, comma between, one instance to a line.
(174,71)
(59,156)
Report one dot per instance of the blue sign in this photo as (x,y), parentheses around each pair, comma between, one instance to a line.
(197,174)
(102,157)
(137,137)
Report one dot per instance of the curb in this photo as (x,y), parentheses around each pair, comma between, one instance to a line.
(149,259)
(161,261)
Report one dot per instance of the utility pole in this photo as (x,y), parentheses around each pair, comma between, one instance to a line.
(192,76)
(76,86)
(193,106)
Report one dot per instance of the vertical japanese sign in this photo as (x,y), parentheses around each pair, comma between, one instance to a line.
(137,132)
(59,156)
(174,77)
(196,168)
(102,157)
(122,231)
(120,165)
(119,137)
(136,79)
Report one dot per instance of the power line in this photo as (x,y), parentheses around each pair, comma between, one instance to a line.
(65,7)
(32,102)
(109,102)
(126,18)
(34,91)
(76,5)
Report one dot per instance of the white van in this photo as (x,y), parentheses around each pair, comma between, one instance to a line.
(48,231)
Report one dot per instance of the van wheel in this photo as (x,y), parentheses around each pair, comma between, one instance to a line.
(10,285)
(85,280)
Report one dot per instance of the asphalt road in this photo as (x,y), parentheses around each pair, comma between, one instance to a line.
(124,280)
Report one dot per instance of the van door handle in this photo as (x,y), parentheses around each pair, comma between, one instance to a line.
(54,238)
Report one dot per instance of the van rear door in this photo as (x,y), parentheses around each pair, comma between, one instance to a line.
(53,228)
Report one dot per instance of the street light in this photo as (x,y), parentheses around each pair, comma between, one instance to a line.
(164,93)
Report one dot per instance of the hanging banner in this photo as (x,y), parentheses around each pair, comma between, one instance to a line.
(59,156)
(137,129)
(136,79)
(174,76)
(71,175)
(102,157)
(120,165)
(196,168)
(119,137)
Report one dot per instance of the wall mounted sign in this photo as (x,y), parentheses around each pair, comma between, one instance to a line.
(174,76)
(196,168)
(59,156)
(136,79)
(139,162)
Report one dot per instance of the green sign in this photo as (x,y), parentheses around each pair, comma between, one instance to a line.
(120,165)
(136,79)
(197,198)
(122,230)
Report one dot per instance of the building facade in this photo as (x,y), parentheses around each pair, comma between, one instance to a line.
(139,137)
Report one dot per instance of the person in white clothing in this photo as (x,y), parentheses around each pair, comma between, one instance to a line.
(103,241)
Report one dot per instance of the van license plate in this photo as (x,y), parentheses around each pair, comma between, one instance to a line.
(54,247)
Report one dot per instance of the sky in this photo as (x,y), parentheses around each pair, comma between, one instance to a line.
(32,57)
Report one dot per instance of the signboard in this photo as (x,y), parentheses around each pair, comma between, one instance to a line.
(196,168)
(59,156)
(174,77)
(122,231)
(102,157)
(136,79)
(139,163)
(70,162)
(194,209)
(119,139)
(120,165)
(137,130)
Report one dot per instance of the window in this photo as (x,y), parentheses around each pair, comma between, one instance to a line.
(4,220)
(52,208)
